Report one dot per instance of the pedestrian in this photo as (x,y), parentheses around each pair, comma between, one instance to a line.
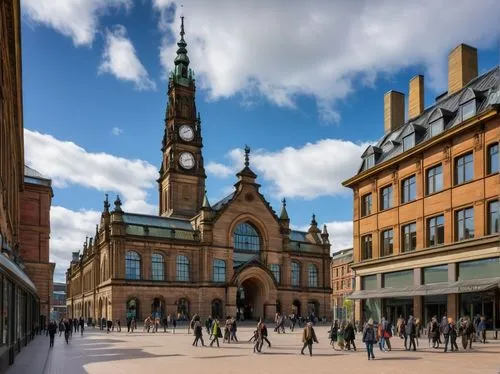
(411,332)
(52,329)
(308,338)
(257,339)
(61,327)
(380,335)
(349,336)
(428,331)
(119,326)
(387,333)
(165,323)
(81,323)
(234,328)
(208,324)
(263,334)
(369,338)
(67,330)
(216,333)
(75,324)
(481,328)
(333,333)
(227,330)
(174,324)
(109,324)
(435,332)
(198,333)
(453,334)
(468,331)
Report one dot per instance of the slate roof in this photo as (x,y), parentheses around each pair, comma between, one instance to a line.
(157,221)
(220,204)
(486,89)
(35,177)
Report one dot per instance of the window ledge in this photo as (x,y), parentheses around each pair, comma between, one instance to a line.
(464,183)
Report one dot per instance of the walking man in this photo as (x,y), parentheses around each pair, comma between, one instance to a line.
(52,329)
(198,333)
(411,332)
(216,333)
(369,338)
(308,338)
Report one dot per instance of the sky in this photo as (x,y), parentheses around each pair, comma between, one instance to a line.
(301,84)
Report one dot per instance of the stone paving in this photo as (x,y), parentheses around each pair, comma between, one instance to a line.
(140,352)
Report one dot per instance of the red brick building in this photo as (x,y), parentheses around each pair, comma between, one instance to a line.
(35,234)
(342,282)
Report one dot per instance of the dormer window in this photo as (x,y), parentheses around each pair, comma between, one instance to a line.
(370,161)
(408,142)
(468,109)
(436,127)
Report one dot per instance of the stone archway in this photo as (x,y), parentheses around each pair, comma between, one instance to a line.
(256,293)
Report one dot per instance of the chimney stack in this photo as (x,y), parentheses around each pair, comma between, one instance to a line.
(462,67)
(394,110)
(416,96)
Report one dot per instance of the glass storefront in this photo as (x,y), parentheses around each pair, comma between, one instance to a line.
(369,282)
(372,308)
(398,279)
(396,307)
(486,304)
(435,274)
(435,305)
(487,268)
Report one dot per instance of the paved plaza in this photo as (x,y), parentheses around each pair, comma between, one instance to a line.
(140,352)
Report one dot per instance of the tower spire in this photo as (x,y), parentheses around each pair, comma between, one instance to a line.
(181,60)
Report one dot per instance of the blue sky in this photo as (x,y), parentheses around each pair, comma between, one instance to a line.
(302,86)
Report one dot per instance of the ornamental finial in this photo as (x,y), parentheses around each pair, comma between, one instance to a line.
(247,155)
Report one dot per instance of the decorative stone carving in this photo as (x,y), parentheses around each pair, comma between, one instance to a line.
(478,144)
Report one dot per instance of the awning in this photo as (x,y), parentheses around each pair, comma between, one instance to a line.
(473,285)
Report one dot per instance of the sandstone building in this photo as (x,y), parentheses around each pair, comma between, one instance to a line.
(19,303)
(36,200)
(426,213)
(235,257)
(342,283)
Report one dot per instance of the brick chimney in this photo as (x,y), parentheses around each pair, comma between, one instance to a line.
(416,96)
(462,67)
(394,110)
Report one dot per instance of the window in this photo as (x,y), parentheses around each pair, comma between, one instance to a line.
(369,282)
(182,264)
(246,238)
(157,267)
(487,268)
(464,220)
(132,265)
(409,237)
(493,217)
(369,161)
(219,270)
(366,205)
(435,274)
(386,198)
(434,179)
(464,168)
(313,276)
(436,127)
(366,247)
(276,270)
(387,242)
(408,142)
(435,230)
(295,274)
(468,109)
(398,279)
(409,189)
(492,166)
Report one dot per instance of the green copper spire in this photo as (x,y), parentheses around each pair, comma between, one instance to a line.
(181,60)
(283,213)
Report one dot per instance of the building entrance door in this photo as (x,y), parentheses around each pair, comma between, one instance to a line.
(249,299)
(396,307)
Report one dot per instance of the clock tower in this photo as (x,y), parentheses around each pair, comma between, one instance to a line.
(182,174)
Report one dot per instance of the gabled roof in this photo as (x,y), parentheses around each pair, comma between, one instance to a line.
(485,88)
(35,177)
(157,221)
(220,204)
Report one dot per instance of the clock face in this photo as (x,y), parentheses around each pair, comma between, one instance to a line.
(186,160)
(186,133)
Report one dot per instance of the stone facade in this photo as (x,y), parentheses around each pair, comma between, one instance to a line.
(35,235)
(236,257)
(342,283)
(426,206)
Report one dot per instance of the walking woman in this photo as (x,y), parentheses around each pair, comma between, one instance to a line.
(198,333)
(216,333)
(369,338)
(67,330)
(349,336)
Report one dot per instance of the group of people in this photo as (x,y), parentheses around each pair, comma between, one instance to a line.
(65,326)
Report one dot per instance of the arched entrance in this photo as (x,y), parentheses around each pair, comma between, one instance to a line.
(296,307)
(158,307)
(217,311)
(256,292)
(132,309)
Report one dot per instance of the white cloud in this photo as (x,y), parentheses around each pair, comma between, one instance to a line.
(68,164)
(120,59)
(76,19)
(219,170)
(116,131)
(321,48)
(68,231)
(320,167)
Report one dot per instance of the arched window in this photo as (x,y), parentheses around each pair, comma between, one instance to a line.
(182,263)
(157,267)
(313,276)
(219,270)
(132,265)
(295,274)
(246,238)
(183,309)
